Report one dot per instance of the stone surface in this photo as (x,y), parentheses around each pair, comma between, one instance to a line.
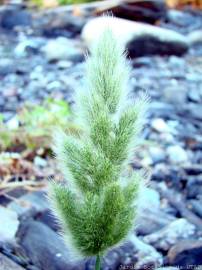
(140,39)
(146,254)
(147,223)
(61,49)
(45,248)
(6,67)
(157,154)
(7,264)
(186,253)
(35,200)
(160,125)
(171,234)
(196,206)
(177,154)
(195,37)
(8,225)
(13,16)
(150,198)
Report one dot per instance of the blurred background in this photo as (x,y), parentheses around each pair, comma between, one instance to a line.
(42,65)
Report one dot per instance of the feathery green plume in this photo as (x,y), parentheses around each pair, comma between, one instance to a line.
(98,204)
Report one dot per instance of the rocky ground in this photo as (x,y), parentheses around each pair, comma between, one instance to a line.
(36,64)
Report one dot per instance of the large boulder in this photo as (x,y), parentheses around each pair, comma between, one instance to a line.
(139,38)
(45,248)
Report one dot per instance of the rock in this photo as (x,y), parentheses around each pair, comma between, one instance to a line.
(179,18)
(157,154)
(140,39)
(34,200)
(134,254)
(147,223)
(58,19)
(13,16)
(159,125)
(146,11)
(176,62)
(193,169)
(7,264)
(6,66)
(194,95)
(62,49)
(196,205)
(177,154)
(45,248)
(145,254)
(186,253)
(171,234)
(195,111)
(27,45)
(175,94)
(48,219)
(150,198)
(8,225)
(10,92)
(64,64)
(195,37)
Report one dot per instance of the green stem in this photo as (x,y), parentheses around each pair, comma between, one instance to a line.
(98,264)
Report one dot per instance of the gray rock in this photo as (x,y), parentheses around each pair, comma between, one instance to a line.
(139,38)
(145,254)
(196,205)
(65,20)
(157,154)
(149,198)
(61,49)
(194,95)
(195,111)
(171,234)
(147,223)
(63,64)
(26,45)
(7,264)
(6,66)
(133,254)
(159,125)
(175,93)
(177,154)
(186,253)
(177,62)
(13,16)
(35,200)
(178,17)
(195,37)
(8,225)
(45,248)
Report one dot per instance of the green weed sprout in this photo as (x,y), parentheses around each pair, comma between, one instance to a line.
(97,205)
